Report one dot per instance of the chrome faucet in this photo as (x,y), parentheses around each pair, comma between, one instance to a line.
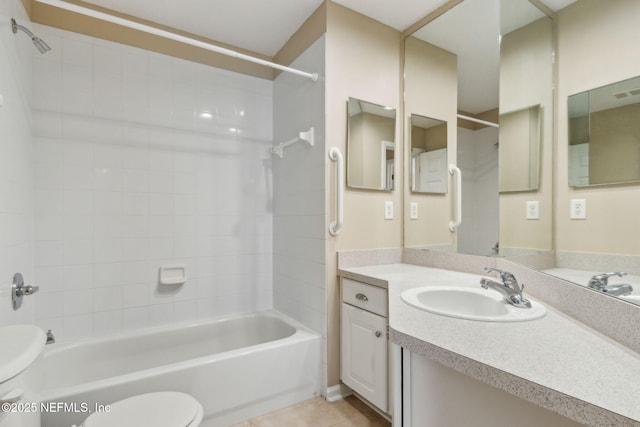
(509,288)
(600,282)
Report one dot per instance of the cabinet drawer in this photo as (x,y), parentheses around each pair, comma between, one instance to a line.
(368,297)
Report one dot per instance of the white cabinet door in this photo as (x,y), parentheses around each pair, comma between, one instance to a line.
(364,354)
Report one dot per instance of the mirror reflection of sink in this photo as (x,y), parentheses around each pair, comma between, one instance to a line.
(21,345)
(631,298)
(469,303)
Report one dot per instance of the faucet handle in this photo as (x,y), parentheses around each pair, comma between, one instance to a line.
(508,279)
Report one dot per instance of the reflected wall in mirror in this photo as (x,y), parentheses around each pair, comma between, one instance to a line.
(429,168)
(604,130)
(598,46)
(526,80)
(453,65)
(370,146)
(431,84)
(520,149)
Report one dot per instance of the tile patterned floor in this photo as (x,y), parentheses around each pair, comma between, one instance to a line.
(317,412)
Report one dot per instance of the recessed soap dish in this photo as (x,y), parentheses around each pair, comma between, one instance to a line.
(173,275)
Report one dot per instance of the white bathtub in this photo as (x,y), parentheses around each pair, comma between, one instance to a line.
(237,368)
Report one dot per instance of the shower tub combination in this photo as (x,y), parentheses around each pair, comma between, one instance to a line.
(237,368)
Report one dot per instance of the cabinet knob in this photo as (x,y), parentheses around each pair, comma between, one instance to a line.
(378,334)
(362,297)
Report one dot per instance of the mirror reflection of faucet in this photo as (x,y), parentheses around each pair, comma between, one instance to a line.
(600,282)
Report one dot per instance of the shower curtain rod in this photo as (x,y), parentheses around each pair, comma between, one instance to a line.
(473,119)
(166,34)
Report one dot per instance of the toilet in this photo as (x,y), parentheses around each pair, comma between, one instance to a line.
(158,409)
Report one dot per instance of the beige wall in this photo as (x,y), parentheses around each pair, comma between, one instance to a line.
(363,61)
(526,80)
(615,140)
(597,45)
(431,90)
(519,155)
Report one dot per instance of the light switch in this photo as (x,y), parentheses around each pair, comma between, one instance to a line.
(414,210)
(388,210)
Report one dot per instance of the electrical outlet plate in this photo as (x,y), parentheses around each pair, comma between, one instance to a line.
(578,209)
(533,209)
(388,210)
(414,210)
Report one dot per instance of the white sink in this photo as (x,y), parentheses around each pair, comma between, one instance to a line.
(21,345)
(470,303)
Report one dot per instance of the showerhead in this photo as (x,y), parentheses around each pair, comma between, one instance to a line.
(40,44)
(37,41)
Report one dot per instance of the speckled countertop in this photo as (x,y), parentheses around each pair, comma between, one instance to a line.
(555,362)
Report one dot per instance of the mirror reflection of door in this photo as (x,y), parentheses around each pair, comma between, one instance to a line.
(429,172)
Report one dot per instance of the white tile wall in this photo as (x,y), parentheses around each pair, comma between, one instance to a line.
(299,196)
(16,168)
(478,161)
(128,177)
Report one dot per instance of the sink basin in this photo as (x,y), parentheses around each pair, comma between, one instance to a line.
(470,303)
(21,345)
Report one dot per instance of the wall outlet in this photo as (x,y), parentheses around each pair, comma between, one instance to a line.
(578,209)
(388,210)
(414,210)
(533,209)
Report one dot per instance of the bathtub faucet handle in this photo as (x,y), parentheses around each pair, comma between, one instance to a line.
(19,290)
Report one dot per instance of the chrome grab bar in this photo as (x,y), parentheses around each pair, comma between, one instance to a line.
(457,205)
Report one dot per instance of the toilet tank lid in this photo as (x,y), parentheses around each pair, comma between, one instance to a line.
(158,409)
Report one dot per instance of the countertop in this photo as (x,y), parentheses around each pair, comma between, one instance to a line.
(555,362)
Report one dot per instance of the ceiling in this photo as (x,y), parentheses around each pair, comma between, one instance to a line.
(265,26)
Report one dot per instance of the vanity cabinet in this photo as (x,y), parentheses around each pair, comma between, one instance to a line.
(435,395)
(364,342)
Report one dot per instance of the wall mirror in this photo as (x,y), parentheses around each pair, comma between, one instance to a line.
(597,193)
(429,173)
(604,134)
(370,145)
(474,65)
(519,152)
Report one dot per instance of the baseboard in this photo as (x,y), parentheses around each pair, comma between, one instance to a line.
(337,392)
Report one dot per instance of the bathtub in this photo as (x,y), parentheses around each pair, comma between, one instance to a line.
(237,368)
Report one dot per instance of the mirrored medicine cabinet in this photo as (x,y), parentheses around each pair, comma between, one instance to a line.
(371,132)
(604,134)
